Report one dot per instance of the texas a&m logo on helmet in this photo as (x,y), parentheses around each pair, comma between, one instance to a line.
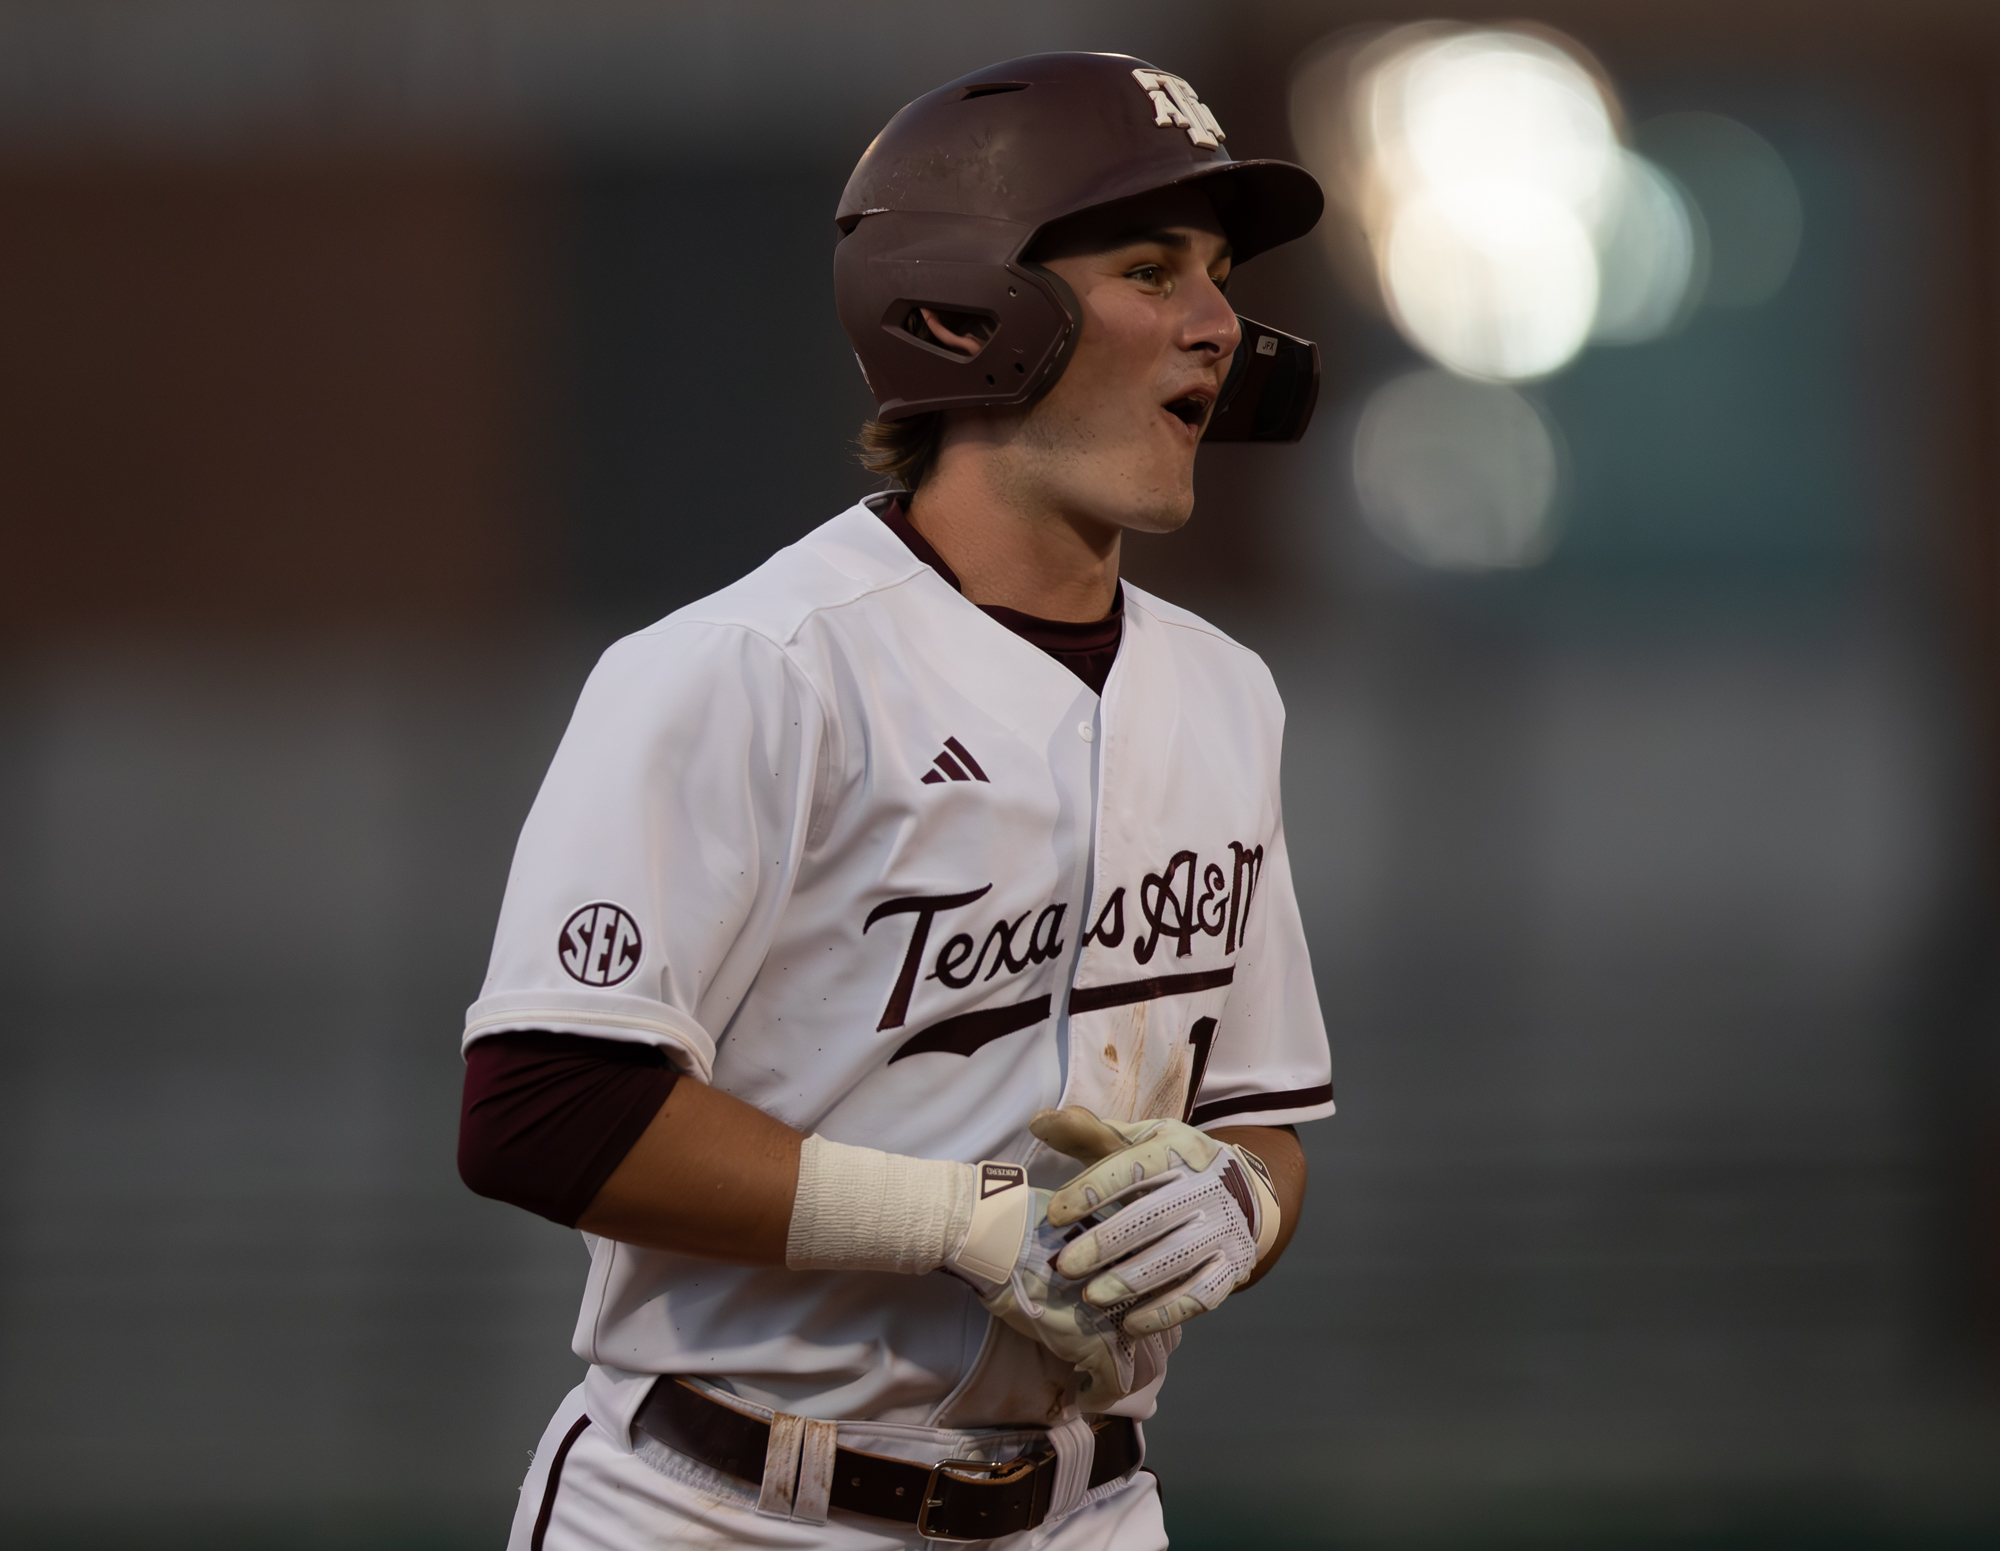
(1176,106)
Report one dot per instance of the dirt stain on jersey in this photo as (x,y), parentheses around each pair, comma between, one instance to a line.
(1169,1095)
(1123,1090)
(1146,1070)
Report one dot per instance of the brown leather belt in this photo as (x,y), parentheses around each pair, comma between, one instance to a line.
(951,1500)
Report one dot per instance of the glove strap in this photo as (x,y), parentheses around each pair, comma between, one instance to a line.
(1268,1217)
(1000,1207)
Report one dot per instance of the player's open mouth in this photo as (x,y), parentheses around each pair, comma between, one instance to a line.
(1190,409)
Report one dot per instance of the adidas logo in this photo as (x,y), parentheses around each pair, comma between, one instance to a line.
(954,764)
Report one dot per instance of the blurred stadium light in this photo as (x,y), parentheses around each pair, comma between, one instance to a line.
(1744,196)
(1509,227)
(1458,474)
(1481,162)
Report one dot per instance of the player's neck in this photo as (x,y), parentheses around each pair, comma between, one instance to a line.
(1016,551)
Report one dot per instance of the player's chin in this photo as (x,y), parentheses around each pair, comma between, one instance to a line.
(1143,482)
(1163,507)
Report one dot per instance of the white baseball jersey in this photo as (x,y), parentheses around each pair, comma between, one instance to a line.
(853,851)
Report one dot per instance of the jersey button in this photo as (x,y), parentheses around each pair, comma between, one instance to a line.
(1085,731)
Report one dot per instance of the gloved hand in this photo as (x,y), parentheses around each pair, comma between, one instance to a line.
(1008,1256)
(858,1209)
(1182,1218)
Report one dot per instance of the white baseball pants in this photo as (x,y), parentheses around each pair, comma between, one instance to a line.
(605,1500)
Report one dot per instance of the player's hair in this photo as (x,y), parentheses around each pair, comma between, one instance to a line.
(902,451)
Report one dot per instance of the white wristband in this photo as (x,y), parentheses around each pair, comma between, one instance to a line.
(857,1209)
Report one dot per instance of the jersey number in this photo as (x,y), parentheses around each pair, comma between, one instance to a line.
(1201,1036)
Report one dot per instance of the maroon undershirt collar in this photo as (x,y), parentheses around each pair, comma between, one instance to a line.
(1086,648)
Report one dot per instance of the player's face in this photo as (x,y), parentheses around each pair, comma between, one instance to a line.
(1113,442)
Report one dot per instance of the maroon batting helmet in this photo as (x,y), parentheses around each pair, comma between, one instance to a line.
(956,189)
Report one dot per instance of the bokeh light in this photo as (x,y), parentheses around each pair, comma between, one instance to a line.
(1458,474)
(1491,200)
(1492,109)
(1494,282)
(1653,256)
(1506,223)
(1748,201)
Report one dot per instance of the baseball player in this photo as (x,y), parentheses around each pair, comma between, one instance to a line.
(899,980)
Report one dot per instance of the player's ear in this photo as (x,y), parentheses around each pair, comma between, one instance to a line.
(964,332)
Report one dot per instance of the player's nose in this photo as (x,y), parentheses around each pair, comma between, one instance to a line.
(1210,325)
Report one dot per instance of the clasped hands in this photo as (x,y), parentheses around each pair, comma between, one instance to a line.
(1163,1224)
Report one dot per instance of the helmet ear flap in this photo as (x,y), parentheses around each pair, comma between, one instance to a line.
(1064,298)
(973,323)
(885,274)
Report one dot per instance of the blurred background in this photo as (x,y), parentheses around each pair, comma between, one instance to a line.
(366,368)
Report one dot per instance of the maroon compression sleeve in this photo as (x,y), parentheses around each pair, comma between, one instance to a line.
(547,1118)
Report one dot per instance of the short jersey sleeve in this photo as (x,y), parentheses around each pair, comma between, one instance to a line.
(1271,1064)
(662,846)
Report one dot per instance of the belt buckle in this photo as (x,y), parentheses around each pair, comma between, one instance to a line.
(983,1472)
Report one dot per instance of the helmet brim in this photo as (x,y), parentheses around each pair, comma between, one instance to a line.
(1261,204)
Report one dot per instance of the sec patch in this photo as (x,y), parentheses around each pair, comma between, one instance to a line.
(600,945)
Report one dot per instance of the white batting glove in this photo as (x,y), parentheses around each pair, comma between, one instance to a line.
(1189,1217)
(857,1209)
(1009,1255)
